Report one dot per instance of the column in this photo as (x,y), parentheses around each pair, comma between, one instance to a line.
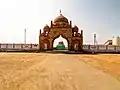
(22,46)
(13,45)
(31,46)
(6,46)
(69,44)
(51,44)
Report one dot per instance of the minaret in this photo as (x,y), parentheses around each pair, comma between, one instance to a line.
(51,24)
(70,24)
(40,32)
(39,39)
(82,35)
(82,32)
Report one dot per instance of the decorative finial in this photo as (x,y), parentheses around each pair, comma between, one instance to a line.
(60,12)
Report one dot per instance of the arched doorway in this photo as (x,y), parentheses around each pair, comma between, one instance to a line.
(76,45)
(60,43)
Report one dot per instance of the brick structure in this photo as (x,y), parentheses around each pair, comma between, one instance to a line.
(61,26)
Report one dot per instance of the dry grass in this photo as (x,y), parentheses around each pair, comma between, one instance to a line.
(31,71)
(109,63)
(14,68)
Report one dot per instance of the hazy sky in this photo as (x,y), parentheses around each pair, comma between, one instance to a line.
(94,16)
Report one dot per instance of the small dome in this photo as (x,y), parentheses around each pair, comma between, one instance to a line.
(75,28)
(46,27)
(61,18)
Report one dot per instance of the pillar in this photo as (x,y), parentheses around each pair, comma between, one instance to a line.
(69,44)
(31,46)
(115,47)
(97,47)
(6,46)
(106,47)
(51,25)
(51,44)
(40,32)
(82,37)
(22,46)
(89,47)
(13,45)
(82,32)
(39,44)
(39,39)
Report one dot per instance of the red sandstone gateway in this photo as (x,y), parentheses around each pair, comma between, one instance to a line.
(61,27)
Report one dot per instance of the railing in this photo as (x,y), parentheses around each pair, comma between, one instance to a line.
(19,46)
(101,48)
(89,48)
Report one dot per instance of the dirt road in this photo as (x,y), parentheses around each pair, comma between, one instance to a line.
(57,72)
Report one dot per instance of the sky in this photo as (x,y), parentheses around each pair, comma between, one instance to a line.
(101,17)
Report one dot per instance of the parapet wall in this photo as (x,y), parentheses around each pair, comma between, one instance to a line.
(101,48)
(88,48)
(19,47)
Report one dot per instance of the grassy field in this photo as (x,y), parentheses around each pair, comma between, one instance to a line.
(14,68)
(108,63)
(17,68)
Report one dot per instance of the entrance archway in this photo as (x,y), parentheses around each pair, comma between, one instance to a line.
(76,45)
(61,27)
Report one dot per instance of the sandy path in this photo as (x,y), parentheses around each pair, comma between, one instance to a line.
(60,72)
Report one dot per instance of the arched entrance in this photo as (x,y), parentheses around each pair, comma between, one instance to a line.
(61,27)
(76,45)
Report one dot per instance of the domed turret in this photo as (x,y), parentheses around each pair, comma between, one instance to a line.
(46,28)
(75,29)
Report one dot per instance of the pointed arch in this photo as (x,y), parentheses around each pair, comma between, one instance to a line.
(76,45)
